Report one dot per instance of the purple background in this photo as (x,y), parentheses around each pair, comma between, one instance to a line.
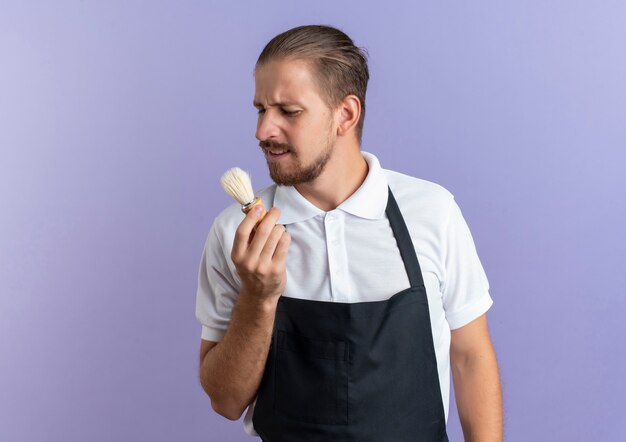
(117,119)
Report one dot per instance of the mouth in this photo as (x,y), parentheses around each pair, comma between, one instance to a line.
(276,153)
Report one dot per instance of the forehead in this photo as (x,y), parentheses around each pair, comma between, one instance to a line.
(284,81)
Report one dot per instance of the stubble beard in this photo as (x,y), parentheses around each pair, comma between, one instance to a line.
(300,174)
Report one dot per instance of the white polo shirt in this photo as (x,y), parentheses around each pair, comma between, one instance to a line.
(350,255)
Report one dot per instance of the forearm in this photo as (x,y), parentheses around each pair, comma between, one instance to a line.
(478,396)
(231,372)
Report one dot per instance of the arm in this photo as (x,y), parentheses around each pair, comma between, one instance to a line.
(476,382)
(231,370)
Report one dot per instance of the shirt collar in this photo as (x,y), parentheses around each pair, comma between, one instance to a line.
(369,201)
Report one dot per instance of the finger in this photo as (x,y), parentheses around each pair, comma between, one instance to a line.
(270,245)
(280,254)
(244,232)
(263,231)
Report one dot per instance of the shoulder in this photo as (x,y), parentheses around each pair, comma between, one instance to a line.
(419,197)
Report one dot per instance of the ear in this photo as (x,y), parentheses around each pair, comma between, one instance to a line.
(349,112)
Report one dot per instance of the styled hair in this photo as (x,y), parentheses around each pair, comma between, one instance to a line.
(338,66)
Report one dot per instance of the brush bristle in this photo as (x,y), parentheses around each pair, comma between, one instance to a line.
(237,184)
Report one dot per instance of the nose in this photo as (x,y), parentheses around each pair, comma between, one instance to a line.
(266,128)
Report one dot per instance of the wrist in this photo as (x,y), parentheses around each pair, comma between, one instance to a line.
(255,302)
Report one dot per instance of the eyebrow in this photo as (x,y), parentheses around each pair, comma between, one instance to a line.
(258,104)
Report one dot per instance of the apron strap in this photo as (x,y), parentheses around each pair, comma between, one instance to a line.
(403,238)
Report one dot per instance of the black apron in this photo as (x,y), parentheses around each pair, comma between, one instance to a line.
(360,372)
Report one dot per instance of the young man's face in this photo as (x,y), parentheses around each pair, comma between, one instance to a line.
(296,129)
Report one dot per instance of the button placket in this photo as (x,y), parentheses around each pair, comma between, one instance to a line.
(337,257)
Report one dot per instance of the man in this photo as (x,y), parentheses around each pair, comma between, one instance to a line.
(339,315)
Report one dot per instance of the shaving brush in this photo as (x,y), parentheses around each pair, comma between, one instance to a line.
(237,184)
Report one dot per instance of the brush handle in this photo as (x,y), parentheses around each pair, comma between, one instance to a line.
(256,202)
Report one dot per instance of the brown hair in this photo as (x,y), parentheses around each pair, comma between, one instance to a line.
(340,67)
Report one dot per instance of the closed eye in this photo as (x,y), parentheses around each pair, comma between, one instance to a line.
(282,111)
(290,114)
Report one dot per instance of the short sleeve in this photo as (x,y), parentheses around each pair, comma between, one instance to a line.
(217,289)
(465,286)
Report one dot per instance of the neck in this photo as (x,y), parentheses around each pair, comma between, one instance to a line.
(343,175)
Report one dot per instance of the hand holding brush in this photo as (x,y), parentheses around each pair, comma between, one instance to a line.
(260,245)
